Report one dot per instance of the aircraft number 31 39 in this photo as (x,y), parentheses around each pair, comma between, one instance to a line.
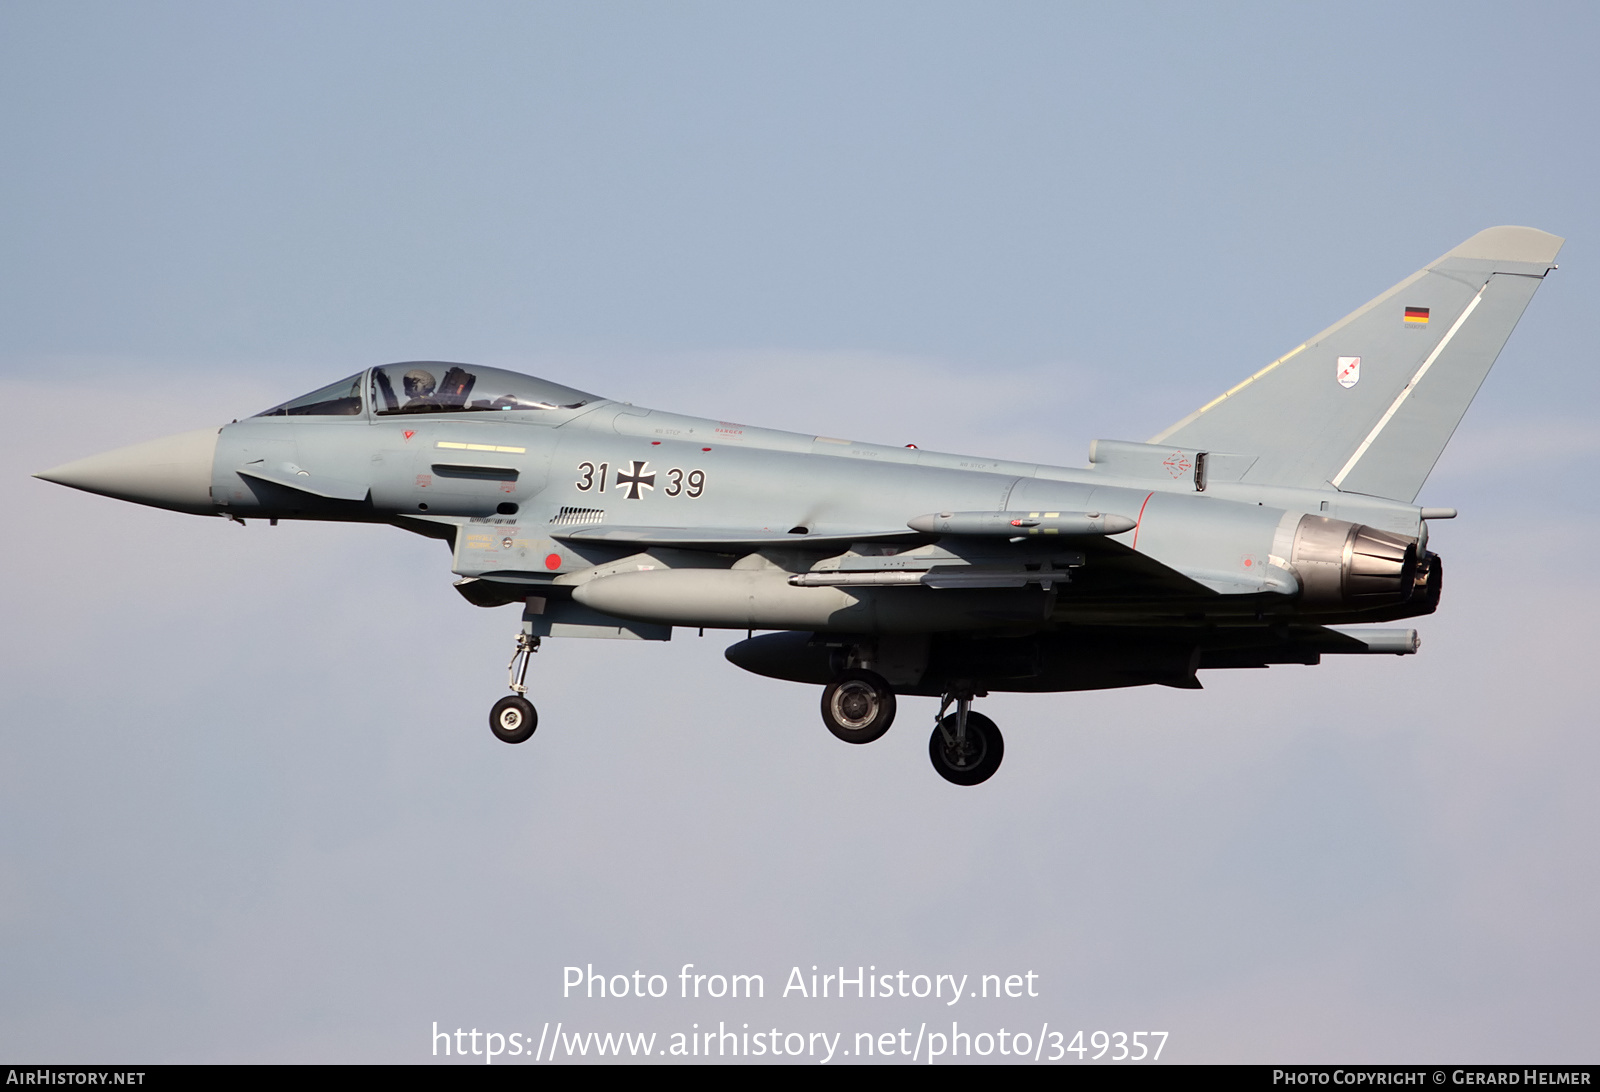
(633,481)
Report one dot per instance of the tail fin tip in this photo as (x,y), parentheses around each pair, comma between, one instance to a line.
(1510,244)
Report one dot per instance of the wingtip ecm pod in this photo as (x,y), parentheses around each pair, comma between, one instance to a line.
(1367,405)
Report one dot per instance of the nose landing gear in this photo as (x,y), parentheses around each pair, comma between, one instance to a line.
(513,718)
(966,747)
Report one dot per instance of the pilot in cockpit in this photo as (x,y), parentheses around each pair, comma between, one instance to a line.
(419,386)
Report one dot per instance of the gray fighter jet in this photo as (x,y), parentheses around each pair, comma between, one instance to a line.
(1271,526)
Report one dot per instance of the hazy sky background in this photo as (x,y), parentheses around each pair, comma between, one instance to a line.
(250,808)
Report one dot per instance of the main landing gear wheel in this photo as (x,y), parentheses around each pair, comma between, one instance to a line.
(971,759)
(858,706)
(513,719)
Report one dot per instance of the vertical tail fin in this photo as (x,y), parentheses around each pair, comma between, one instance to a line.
(1368,405)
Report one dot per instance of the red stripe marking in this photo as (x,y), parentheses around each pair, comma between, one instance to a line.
(1140,520)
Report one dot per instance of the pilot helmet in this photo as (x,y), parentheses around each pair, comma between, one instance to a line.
(418,383)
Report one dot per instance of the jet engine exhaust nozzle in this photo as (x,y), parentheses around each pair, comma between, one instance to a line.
(1345,565)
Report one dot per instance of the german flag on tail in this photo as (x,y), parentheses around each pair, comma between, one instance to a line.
(1417,316)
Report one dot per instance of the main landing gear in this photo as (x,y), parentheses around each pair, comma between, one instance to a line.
(513,718)
(966,747)
(858,706)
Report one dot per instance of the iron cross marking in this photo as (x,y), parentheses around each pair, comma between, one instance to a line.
(636,480)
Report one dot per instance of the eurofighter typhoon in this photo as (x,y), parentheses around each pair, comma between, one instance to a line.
(1274,525)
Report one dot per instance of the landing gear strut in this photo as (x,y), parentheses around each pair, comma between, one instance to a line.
(858,706)
(966,747)
(513,718)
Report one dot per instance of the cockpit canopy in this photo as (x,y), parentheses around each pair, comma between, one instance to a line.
(341,399)
(434,386)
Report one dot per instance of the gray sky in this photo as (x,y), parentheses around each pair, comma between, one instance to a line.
(249,805)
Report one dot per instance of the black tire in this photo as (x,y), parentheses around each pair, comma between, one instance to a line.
(977,761)
(858,706)
(513,719)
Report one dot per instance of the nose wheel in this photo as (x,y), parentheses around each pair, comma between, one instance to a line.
(858,706)
(513,718)
(966,747)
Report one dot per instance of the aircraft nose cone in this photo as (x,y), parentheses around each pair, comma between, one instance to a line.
(172,472)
